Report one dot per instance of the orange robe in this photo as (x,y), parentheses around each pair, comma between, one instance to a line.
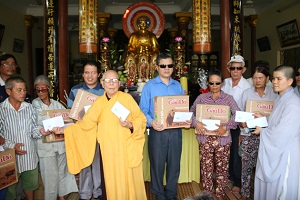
(122,151)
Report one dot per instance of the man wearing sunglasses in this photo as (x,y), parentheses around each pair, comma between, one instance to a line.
(89,177)
(164,145)
(235,86)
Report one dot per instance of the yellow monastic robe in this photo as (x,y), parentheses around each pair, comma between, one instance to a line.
(122,151)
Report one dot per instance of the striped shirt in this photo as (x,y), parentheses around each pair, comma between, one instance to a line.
(222,99)
(20,127)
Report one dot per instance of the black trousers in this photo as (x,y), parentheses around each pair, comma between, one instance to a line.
(164,148)
(235,161)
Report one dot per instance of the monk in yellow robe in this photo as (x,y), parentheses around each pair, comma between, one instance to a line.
(121,142)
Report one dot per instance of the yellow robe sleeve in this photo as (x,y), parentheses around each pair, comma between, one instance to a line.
(80,141)
(135,143)
(98,124)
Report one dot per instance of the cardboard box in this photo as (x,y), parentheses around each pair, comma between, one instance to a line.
(54,113)
(166,106)
(217,112)
(264,107)
(8,168)
(83,98)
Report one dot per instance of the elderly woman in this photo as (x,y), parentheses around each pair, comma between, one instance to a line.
(52,157)
(259,91)
(214,149)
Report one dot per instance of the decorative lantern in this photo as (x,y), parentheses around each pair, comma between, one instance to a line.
(88,38)
(201,26)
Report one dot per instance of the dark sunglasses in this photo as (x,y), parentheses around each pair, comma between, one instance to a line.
(235,68)
(297,73)
(41,90)
(214,83)
(164,66)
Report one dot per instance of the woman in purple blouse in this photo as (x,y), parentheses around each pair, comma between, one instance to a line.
(214,149)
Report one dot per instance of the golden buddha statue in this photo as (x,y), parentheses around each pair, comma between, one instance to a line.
(142,45)
(143,41)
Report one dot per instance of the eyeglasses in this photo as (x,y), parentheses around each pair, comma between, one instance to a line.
(41,90)
(110,80)
(9,64)
(297,73)
(235,68)
(214,83)
(164,66)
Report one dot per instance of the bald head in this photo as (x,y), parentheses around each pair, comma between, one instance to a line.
(111,83)
(288,71)
(109,73)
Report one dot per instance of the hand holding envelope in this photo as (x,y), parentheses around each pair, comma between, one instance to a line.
(49,124)
(120,111)
(211,127)
(211,124)
(241,116)
(251,121)
(182,116)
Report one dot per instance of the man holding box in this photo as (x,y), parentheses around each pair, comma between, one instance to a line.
(235,86)
(19,128)
(121,141)
(89,177)
(164,145)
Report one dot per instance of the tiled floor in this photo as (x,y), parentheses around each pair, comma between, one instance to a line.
(185,190)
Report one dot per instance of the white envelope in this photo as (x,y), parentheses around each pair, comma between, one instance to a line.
(1,148)
(182,116)
(211,124)
(261,122)
(241,116)
(49,124)
(120,111)
(86,108)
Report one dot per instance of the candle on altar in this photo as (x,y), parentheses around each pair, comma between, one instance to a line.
(184,84)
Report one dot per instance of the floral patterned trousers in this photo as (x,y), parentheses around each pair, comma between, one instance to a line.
(249,156)
(214,156)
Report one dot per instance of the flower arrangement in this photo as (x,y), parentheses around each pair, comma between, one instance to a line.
(105,39)
(178,39)
(116,59)
(202,81)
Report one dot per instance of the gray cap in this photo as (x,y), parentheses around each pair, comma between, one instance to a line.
(237,58)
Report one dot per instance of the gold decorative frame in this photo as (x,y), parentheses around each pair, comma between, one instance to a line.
(288,33)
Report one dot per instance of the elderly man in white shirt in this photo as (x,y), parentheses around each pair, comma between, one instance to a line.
(235,86)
